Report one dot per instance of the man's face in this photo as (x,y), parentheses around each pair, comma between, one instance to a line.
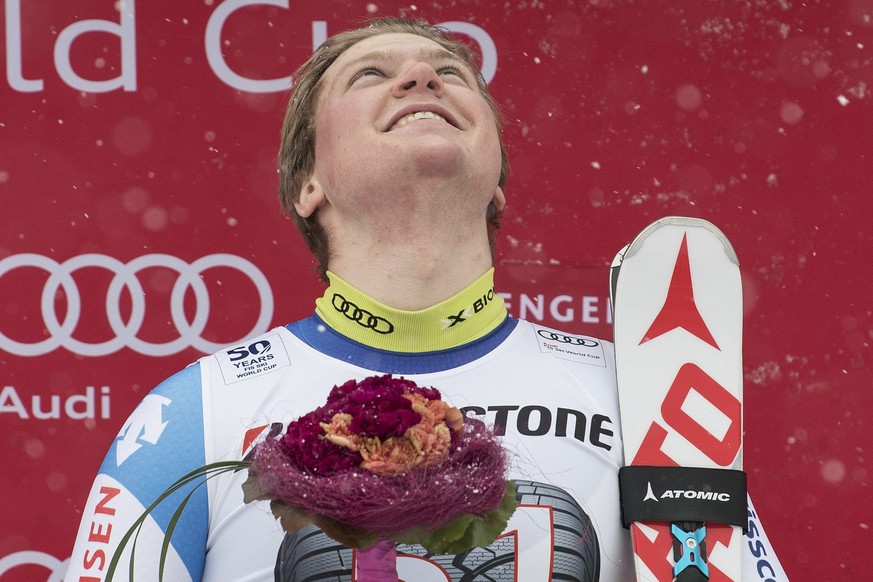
(396,109)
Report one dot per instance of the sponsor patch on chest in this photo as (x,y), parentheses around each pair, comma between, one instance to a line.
(259,357)
(578,348)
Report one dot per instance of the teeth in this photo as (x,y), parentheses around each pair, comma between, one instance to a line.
(418,115)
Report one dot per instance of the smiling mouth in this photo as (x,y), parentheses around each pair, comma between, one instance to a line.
(418,115)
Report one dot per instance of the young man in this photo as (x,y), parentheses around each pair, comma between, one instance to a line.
(398,198)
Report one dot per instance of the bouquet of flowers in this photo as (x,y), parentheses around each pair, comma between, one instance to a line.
(383,461)
(385,458)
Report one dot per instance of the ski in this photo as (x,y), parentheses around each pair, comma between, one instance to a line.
(677,318)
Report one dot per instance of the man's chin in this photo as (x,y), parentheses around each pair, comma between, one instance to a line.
(435,156)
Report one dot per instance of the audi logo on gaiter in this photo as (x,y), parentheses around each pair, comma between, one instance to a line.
(62,326)
(361,316)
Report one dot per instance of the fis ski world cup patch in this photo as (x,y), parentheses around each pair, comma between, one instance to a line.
(578,348)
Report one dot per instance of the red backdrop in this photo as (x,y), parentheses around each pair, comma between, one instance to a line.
(137,152)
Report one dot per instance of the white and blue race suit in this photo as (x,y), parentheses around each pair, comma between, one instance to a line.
(552,395)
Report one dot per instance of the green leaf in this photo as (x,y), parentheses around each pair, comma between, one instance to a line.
(465,531)
(290,518)
(252,489)
(171,527)
(205,472)
(345,534)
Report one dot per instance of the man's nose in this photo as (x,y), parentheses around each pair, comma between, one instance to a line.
(418,77)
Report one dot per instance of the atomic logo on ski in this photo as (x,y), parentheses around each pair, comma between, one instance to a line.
(679,308)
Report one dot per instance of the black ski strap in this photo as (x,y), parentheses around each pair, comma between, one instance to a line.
(683,494)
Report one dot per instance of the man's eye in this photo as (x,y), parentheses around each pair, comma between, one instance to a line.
(451,70)
(368,72)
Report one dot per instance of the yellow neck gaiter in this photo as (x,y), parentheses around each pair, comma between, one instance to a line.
(466,316)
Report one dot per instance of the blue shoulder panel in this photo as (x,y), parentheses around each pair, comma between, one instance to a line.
(161,441)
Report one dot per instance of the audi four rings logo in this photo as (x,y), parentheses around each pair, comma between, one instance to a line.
(190,334)
(567,339)
(361,316)
(56,567)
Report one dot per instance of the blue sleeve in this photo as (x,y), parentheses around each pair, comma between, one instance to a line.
(161,441)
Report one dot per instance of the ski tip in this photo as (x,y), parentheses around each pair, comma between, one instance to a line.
(613,273)
(682,222)
(616,262)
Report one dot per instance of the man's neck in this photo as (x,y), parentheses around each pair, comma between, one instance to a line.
(414,270)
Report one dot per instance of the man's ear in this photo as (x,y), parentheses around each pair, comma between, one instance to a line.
(311,198)
(499,199)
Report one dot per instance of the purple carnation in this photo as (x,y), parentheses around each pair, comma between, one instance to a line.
(377,406)
(304,447)
(339,393)
(378,409)
(409,386)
